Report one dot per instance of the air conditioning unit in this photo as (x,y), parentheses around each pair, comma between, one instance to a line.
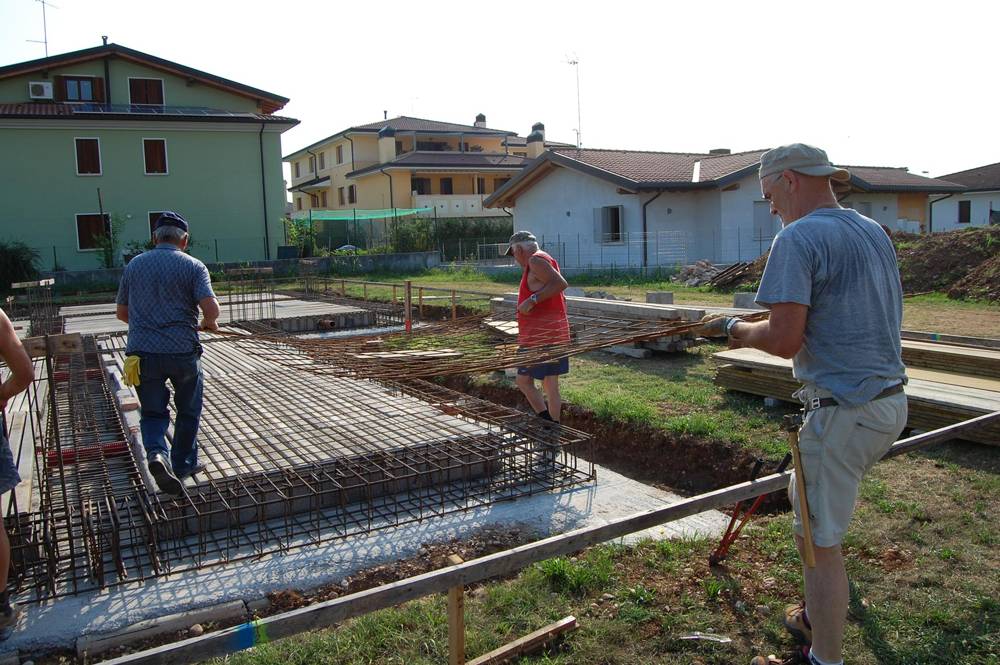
(40,90)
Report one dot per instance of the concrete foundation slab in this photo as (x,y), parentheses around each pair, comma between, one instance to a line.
(58,624)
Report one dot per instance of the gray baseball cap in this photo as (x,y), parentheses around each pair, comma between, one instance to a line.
(801,158)
(519,236)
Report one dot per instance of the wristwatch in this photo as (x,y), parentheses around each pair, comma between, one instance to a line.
(534,298)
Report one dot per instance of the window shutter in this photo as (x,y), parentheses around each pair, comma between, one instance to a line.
(155,152)
(59,88)
(99,90)
(88,156)
(598,225)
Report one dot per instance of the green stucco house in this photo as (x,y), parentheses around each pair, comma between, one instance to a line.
(99,141)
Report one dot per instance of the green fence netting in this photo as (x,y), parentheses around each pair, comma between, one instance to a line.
(354,214)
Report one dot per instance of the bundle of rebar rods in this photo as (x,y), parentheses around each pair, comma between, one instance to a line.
(472,344)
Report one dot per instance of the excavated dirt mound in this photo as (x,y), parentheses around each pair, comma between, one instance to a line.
(983,283)
(941,261)
(965,263)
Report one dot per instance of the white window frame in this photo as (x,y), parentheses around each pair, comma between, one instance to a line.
(338,152)
(76,229)
(163,89)
(311,164)
(621,225)
(166,157)
(321,161)
(93,89)
(76,157)
(296,169)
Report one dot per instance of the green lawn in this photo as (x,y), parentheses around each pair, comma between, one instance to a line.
(921,556)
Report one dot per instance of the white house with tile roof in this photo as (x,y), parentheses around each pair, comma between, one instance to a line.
(623,208)
(978,205)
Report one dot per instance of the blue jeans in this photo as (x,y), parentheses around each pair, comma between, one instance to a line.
(183,370)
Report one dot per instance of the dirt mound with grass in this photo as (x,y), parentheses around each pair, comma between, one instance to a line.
(982,283)
(941,261)
(965,264)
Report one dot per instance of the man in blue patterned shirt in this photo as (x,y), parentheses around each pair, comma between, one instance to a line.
(159,296)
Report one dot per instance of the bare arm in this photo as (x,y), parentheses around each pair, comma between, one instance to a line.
(781,335)
(210,313)
(121,313)
(13,353)
(552,282)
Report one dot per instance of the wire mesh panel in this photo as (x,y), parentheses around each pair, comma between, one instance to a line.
(251,294)
(42,314)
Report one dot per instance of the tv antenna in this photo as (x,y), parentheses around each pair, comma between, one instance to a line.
(45,27)
(575,62)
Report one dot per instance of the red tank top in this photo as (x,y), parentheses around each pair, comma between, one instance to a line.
(546,323)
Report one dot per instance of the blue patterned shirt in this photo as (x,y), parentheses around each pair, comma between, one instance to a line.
(162,288)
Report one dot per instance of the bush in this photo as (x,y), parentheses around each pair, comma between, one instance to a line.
(18,263)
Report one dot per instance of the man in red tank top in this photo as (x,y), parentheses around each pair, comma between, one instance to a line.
(541,322)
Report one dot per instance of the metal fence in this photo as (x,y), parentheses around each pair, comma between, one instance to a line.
(661,249)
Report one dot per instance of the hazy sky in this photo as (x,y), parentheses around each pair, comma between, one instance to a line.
(879,82)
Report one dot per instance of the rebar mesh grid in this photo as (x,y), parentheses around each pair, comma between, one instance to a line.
(294,459)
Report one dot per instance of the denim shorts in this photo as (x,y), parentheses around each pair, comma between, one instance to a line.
(9,477)
(543,370)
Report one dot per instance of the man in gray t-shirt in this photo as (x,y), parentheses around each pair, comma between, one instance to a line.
(832,285)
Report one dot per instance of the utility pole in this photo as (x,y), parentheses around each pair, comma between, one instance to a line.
(579,134)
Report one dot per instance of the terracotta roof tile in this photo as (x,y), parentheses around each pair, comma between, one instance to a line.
(407,124)
(980,178)
(128,112)
(893,177)
(648,167)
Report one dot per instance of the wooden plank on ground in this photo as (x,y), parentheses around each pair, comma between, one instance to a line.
(527,644)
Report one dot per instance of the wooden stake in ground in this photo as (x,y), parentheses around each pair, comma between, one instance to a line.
(791,424)
(456,619)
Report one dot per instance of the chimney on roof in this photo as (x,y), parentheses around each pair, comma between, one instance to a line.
(536,143)
(104,38)
(720,151)
(540,128)
(385,115)
(480,120)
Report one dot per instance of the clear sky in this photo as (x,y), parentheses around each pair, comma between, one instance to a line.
(879,82)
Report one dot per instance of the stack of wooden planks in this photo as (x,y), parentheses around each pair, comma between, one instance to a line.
(936,398)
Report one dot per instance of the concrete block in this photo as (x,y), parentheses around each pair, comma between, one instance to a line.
(574,291)
(745,301)
(89,645)
(660,297)
(258,606)
(630,351)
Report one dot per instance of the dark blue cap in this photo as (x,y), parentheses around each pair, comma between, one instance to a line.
(171,219)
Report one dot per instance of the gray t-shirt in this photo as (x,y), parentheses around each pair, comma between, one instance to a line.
(843,267)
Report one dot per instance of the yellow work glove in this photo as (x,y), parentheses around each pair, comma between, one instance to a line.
(131,377)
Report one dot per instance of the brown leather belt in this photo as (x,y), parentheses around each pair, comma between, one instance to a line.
(822,402)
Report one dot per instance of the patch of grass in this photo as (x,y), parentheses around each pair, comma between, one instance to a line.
(578,578)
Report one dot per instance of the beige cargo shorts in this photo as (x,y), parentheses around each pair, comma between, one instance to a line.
(839,445)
